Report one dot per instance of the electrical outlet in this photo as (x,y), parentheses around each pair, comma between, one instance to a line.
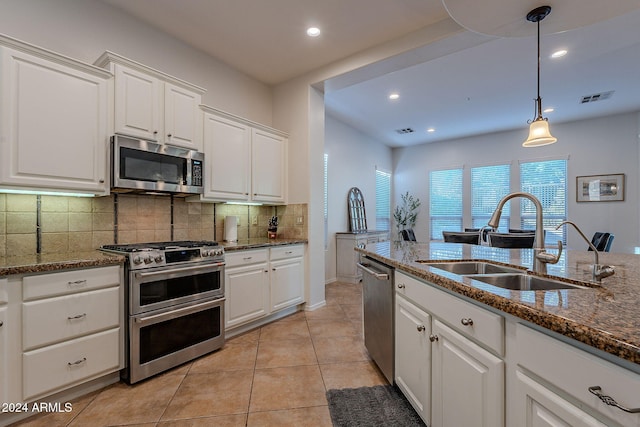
(254,220)
(299,220)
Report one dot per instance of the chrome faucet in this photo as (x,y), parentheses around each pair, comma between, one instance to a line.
(542,257)
(599,271)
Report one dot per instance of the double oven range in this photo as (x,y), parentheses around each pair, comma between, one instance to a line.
(174,299)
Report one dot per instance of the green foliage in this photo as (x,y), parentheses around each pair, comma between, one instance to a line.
(405,215)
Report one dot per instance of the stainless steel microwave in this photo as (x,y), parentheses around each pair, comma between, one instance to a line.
(141,166)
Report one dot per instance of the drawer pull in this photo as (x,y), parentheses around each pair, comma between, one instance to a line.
(610,400)
(400,285)
(79,316)
(77,362)
(433,338)
(467,322)
(247,258)
(420,328)
(77,282)
(288,252)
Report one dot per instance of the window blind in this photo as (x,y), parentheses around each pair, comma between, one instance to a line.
(489,184)
(383,200)
(547,180)
(445,202)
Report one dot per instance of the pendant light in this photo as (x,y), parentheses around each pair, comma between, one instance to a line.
(539,128)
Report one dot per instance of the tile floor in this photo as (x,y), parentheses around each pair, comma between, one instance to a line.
(276,375)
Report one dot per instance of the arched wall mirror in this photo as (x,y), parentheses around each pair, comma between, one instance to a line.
(357,214)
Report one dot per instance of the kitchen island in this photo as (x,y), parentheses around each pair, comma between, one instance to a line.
(604,317)
(470,353)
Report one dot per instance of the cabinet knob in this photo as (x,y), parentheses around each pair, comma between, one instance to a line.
(101,181)
(420,328)
(400,285)
(1,323)
(467,322)
(433,338)
(169,135)
(155,132)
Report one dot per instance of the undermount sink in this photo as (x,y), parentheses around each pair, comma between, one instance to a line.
(467,268)
(524,282)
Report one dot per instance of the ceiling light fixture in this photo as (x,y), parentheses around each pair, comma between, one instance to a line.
(539,134)
(430,130)
(559,53)
(313,32)
(394,96)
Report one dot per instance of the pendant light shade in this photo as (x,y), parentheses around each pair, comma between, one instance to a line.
(539,133)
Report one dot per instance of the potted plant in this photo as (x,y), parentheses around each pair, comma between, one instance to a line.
(405,214)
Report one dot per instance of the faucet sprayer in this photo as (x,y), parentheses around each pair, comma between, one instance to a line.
(599,272)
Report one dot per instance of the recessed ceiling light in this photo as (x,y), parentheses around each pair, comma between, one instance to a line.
(394,96)
(313,31)
(559,53)
(548,110)
(430,130)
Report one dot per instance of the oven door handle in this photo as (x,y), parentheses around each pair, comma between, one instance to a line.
(167,315)
(195,269)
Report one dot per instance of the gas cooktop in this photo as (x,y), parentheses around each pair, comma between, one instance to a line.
(161,246)
(164,254)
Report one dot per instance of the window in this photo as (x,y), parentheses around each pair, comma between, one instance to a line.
(489,184)
(547,180)
(326,202)
(445,202)
(383,200)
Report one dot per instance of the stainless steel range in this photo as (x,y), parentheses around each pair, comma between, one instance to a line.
(175,304)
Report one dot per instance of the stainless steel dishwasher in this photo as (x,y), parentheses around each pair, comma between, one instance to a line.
(378,308)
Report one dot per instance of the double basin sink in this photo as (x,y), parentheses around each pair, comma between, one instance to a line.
(502,276)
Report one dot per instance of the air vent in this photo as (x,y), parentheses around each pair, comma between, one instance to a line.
(405,130)
(596,97)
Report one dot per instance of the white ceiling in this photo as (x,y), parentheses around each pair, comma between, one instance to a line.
(481,89)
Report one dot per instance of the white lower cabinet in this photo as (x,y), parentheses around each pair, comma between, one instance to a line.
(71,328)
(541,407)
(3,353)
(247,287)
(468,382)
(413,355)
(564,375)
(287,276)
(260,282)
(447,357)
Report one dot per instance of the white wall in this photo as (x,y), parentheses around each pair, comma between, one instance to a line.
(84,29)
(606,145)
(353,157)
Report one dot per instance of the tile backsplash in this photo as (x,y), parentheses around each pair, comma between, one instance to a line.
(69,224)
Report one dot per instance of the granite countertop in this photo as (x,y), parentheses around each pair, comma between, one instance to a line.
(259,243)
(53,262)
(604,316)
(64,261)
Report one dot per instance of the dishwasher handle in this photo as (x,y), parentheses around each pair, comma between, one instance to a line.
(379,276)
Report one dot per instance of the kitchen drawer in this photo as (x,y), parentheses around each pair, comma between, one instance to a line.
(287,252)
(236,258)
(69,282)
(62,365)
(483,326)
(573,371)
(55,319)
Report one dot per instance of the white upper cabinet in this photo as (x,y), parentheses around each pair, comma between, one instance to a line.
(152,105)
(244,161)
(53,121)
(227,151)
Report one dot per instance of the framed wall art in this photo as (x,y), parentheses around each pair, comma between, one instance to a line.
(600,188)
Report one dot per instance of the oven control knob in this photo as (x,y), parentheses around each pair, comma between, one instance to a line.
(220,252)
(159,258)
(148,260)
(137,260)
